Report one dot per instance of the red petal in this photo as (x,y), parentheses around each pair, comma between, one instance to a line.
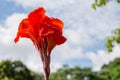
(23,30)
(16,39)
(55,39)
(58,39)
(36,16)
(57,23)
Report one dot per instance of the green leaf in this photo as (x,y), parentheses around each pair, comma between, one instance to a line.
(118,1)
(94,6)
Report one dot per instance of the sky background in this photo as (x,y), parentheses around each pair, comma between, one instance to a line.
(85,29)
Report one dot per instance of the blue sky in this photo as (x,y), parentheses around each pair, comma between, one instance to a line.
(84,28)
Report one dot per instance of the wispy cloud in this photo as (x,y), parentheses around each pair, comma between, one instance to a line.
(102,57)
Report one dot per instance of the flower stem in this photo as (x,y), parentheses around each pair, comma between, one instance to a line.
(46,66)
(47,73)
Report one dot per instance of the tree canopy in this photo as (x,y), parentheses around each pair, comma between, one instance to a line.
(109,71)
(16,70)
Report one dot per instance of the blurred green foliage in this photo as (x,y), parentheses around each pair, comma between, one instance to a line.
(110,71)
(75,73)
(18,71)
(100,3)
(111,41)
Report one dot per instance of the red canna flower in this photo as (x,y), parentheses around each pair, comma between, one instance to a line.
(45,33)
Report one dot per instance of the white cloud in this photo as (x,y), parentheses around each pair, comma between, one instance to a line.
(27,3)
(9,28)
(52,4)
(102,57)
(67,52)
(78,37)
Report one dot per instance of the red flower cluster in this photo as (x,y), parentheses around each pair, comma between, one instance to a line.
(45,33)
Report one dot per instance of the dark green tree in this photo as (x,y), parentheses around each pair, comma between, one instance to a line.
(76,73)
(61,73)
(16,70)
(111,71)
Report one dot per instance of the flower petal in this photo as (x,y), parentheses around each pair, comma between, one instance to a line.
(54,39)
(36,16)
(23,30)
(57,23)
